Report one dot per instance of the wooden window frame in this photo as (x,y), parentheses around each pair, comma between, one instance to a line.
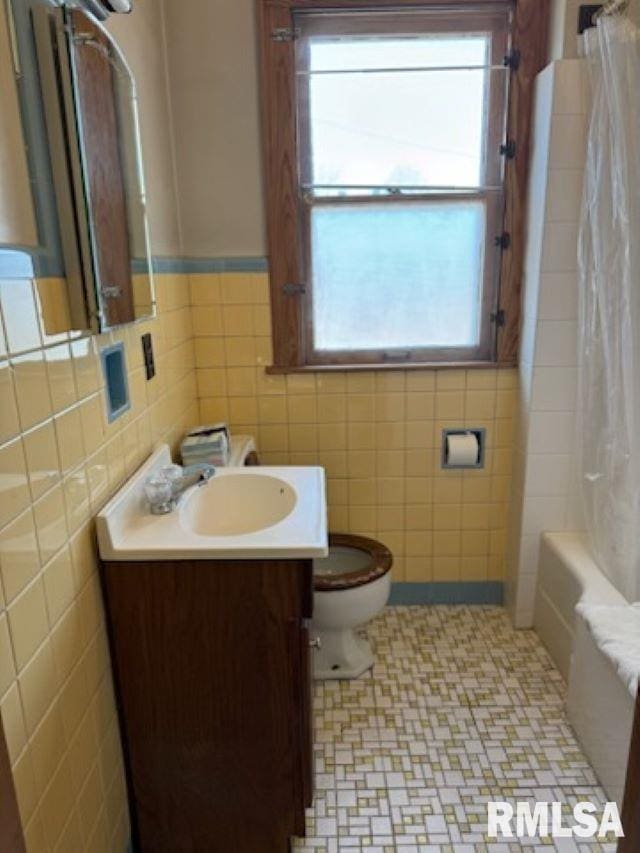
(285,231)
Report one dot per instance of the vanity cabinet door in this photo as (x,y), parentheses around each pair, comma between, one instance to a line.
(209,660)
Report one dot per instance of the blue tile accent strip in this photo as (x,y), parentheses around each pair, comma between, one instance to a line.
(24,262)
(440,592)
(140,266)
(47,265)
(210,265)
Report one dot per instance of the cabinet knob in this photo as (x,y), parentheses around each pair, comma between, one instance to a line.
(315,643)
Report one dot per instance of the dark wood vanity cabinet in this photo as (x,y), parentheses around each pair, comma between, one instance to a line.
(212,667)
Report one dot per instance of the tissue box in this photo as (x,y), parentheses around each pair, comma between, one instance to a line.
(208,443)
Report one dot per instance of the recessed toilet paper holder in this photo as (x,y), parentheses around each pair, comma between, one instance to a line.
(480,435)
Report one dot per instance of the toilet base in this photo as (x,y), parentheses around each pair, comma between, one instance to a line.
(342,654)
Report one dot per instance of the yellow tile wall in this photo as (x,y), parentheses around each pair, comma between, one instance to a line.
(377,434)
(59,462)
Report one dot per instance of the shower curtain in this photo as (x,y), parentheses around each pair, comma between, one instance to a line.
(609,332)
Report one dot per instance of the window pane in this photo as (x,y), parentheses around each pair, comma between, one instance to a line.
(399,128)
(397,275)
(397,52)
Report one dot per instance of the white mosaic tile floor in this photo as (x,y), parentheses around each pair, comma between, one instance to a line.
(459,709)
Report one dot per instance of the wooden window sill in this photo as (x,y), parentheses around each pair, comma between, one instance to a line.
(275,369)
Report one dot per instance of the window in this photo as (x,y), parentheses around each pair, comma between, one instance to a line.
(386,157)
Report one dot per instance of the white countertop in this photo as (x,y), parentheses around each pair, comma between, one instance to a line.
(127,531)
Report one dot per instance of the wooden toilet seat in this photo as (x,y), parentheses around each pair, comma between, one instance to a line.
(379,563)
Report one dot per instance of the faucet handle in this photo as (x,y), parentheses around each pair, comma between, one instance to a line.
(172,473)
(159,492)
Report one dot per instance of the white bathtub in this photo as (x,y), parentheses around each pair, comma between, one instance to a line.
(599,704)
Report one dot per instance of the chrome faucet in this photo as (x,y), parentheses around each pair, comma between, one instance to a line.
(164,491)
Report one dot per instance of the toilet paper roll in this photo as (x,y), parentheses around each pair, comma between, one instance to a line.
(463,449)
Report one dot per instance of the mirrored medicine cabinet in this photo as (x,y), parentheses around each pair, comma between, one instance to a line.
(89,121)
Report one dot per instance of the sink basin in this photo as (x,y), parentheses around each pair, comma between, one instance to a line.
(241,513)
(235,504)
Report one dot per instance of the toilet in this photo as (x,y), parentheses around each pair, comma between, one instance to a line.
(351,586)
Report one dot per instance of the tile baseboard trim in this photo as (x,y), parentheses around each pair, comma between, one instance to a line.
(448,592)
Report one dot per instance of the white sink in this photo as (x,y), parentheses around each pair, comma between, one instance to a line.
(238,503)
(241,513)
